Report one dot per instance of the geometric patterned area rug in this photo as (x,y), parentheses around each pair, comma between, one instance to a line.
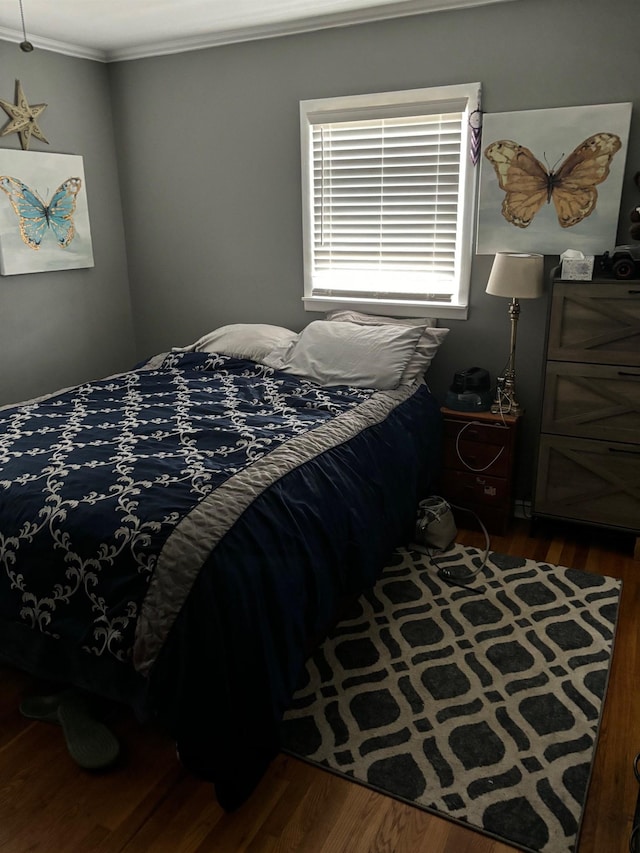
(480,704)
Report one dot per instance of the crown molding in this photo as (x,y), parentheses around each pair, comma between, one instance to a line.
(250,33)
(285,28)
(56,46)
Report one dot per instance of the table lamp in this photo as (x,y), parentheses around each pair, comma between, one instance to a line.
(515,276)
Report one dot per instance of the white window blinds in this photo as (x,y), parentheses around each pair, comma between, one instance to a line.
(386,199)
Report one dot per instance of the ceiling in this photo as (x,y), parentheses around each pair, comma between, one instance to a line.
(110,30)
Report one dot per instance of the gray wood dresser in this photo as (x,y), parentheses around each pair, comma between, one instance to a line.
(589,453)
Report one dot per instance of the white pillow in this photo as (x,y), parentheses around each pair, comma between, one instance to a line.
(341,353)
(426,348)
(245,340)
(351,316)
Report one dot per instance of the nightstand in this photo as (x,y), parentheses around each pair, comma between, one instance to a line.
(477,473)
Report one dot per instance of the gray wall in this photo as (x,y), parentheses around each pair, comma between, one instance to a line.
(210,164)
(209,172)
(61,328)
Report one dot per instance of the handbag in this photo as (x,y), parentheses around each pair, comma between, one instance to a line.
(435,524)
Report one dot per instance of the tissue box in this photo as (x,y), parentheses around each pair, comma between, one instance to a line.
(577,269)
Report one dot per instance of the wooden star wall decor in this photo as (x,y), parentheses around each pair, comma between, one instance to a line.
(23,118)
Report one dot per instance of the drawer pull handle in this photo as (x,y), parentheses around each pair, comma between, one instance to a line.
(473,458)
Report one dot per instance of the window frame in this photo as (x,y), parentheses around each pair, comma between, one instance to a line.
(464,98)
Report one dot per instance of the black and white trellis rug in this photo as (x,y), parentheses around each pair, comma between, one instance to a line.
(482,705)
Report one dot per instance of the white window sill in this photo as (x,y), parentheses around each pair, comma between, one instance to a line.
(404,308)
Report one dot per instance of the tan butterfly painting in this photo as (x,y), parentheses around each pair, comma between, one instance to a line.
(528,184)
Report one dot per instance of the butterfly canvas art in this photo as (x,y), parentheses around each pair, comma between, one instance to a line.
(552,179)
(35,217)
(43,229)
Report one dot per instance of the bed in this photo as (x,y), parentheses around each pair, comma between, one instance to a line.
(179,536)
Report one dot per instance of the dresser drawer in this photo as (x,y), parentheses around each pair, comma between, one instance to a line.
(591,481)
(595,322)
(592,401)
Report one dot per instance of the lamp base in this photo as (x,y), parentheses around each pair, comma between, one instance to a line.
(505,402)
(502,407)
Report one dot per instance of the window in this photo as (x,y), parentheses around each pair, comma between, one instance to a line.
(388,200)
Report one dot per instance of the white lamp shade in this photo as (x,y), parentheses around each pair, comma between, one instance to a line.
(516,276)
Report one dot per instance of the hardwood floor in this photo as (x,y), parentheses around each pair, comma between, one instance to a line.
(149,803)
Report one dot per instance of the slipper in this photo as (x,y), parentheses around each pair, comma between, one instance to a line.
(90,743)
(43,707)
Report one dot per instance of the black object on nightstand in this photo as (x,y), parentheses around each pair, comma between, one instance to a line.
(477,473)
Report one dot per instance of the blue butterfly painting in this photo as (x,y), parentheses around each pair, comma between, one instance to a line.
(37,218)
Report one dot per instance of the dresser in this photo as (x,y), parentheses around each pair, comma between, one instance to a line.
(478,465)
(588,467)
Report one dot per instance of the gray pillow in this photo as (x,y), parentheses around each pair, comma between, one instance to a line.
(342,353)
(427,345)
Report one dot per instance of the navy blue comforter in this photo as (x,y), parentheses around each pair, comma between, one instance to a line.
(180,535)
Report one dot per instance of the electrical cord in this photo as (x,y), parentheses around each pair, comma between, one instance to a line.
(504,403)
(464,462)
(501,398)
(461,575)
(523,506)
(457,575)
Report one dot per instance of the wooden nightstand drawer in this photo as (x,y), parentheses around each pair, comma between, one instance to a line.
(467,487)
(489,459)
(471,430)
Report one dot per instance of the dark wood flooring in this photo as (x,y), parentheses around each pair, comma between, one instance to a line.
(149,803)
